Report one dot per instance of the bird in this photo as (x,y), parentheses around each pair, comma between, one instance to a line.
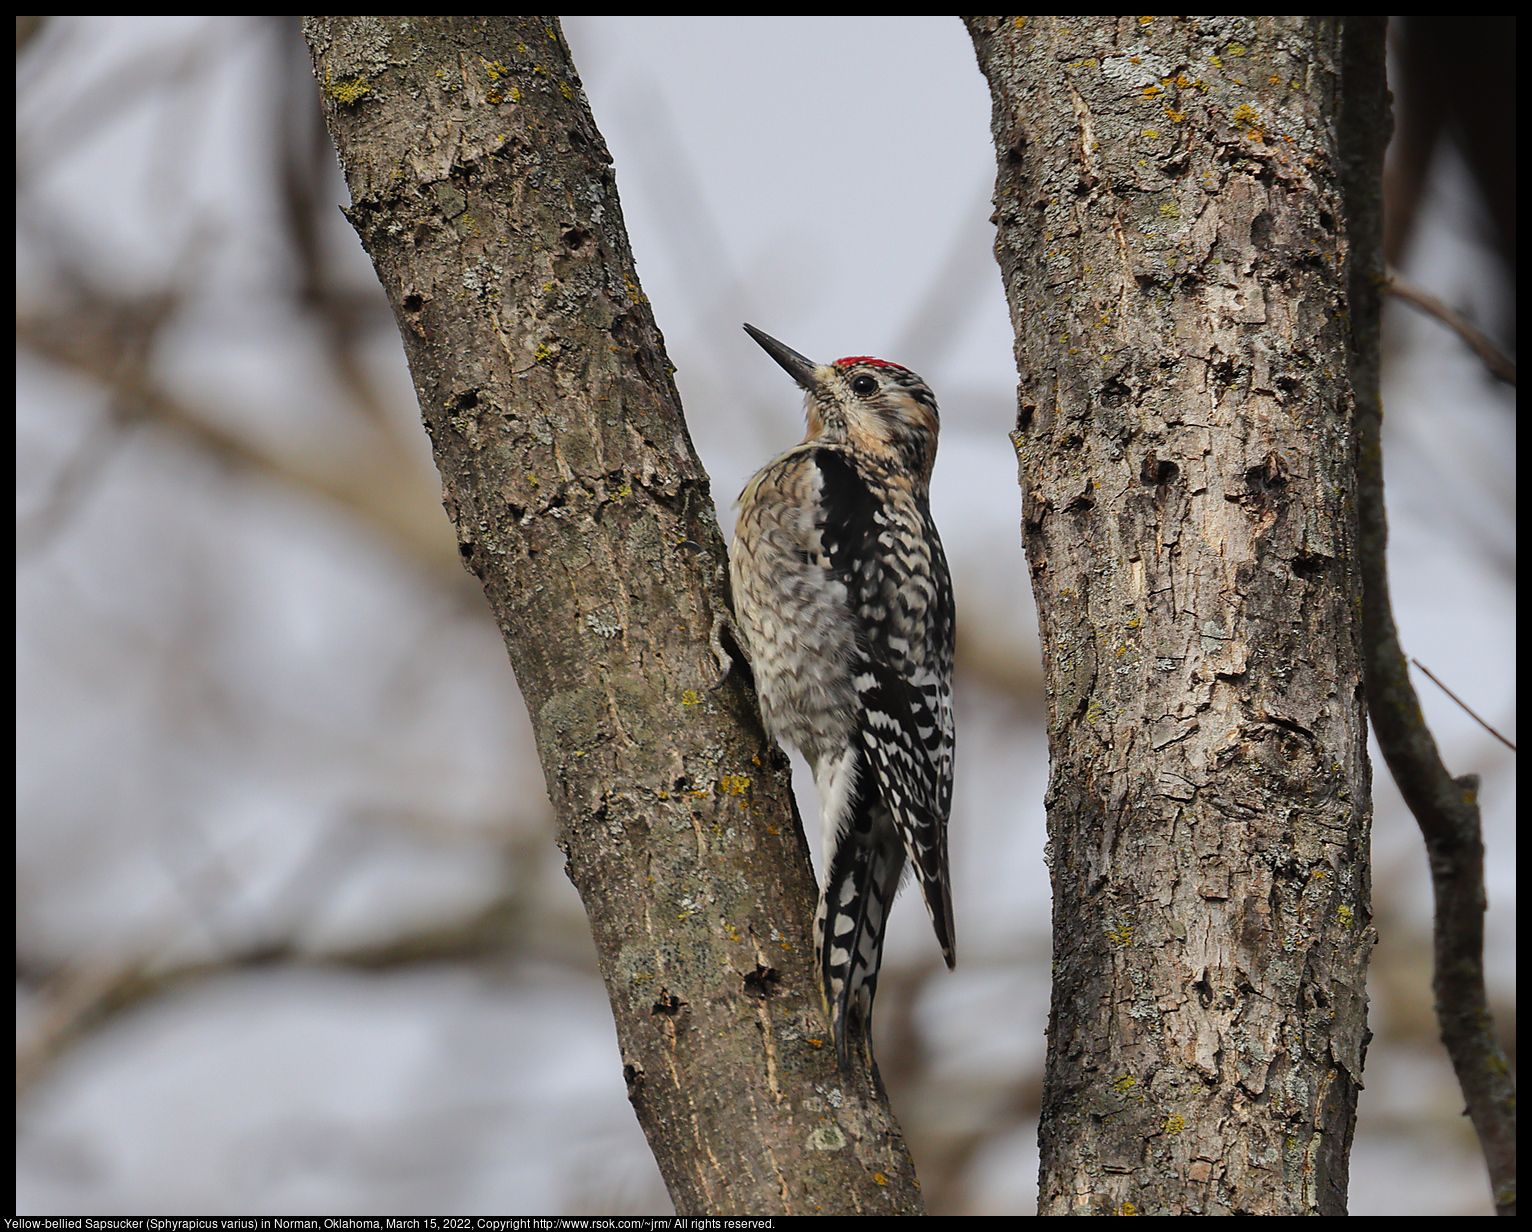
(844,597)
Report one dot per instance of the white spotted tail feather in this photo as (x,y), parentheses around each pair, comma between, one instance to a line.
(844,597)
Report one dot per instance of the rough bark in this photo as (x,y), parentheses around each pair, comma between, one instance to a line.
(484,194)
(1173,245)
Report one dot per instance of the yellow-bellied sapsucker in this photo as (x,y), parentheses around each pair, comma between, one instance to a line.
(843,593)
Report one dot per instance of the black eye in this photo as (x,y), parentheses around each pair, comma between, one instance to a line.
(864,385)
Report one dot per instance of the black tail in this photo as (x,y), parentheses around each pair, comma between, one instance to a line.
(859,890)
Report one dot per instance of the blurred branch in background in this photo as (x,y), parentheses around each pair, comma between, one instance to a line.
(1500,365)
(217,449)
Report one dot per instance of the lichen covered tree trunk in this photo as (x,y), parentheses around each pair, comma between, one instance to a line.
(1173,246)
(483,192)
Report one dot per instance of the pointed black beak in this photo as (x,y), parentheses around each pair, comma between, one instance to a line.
(795,365)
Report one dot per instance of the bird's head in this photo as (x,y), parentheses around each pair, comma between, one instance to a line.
(878,408)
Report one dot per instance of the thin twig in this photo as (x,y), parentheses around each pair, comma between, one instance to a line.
(1463,704)
(1497,361)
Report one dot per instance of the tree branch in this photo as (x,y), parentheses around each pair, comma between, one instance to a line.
(1500,365)
(1446,809)
(483,192)
(1462,705)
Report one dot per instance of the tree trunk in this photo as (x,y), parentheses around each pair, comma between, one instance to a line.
(1173,246)
(483,192)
